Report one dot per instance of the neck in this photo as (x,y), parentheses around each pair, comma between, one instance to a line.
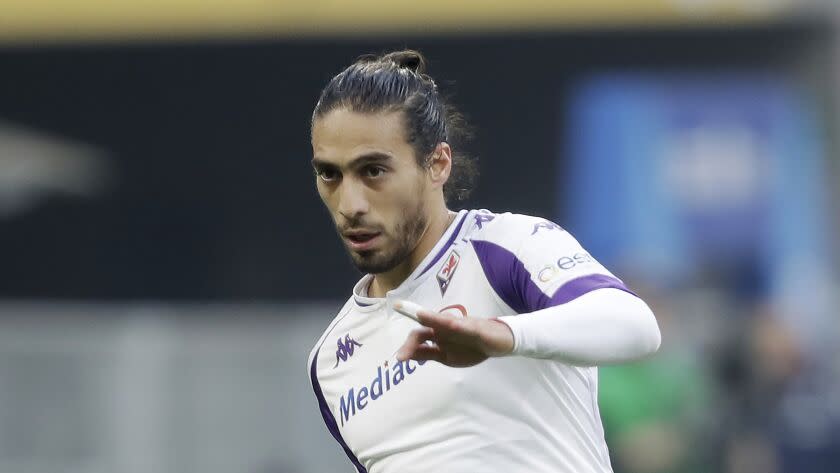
(384,282)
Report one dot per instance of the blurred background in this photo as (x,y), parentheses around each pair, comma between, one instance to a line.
(167,265)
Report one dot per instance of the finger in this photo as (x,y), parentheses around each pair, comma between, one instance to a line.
(446,326)
(416,338)
(407,309)
(426,352)
(437,320)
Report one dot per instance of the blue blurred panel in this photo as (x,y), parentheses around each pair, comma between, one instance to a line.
(675,173)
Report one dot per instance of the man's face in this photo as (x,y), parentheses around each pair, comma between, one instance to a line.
(368,178)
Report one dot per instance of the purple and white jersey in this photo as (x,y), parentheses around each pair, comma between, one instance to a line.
(511,414)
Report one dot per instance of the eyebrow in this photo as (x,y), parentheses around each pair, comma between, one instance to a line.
(373,157)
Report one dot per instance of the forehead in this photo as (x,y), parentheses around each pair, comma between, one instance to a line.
(342,134)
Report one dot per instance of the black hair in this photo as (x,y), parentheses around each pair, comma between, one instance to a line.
(397,81)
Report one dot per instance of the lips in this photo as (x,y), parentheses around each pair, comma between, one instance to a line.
(360,240)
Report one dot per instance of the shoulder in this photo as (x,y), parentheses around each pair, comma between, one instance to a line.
(512,231)
(330,328)
(527,260)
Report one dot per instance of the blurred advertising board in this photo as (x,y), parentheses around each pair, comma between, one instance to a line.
(155,19)
(674,175)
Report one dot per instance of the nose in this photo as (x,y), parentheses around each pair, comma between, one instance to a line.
(352,200)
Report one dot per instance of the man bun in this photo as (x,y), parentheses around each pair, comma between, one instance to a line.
(407,59)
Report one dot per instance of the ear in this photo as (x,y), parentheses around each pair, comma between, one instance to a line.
(440,165)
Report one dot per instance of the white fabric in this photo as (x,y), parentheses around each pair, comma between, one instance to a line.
(514,414)
(602,326)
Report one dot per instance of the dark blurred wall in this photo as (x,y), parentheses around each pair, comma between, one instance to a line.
(211,195)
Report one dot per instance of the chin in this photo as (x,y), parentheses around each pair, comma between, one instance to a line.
(373,267)
(374,262)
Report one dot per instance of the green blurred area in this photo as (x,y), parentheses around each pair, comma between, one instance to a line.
(652,413)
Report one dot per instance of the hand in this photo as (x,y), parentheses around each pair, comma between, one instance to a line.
(456,341)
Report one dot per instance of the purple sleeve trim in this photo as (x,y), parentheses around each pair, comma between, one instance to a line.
(580,286)
(512,282)
(329,419)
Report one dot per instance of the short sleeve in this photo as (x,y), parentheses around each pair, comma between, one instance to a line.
(533,264)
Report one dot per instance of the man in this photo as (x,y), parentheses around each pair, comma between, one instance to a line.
(499,374)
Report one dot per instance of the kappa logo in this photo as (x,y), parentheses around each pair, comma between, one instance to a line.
(547,225)
(444,276)
(345,349)
(483,218)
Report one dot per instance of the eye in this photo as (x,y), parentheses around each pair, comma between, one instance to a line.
(373,171)
(327,175)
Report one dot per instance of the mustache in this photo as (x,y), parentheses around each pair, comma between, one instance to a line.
(356,224)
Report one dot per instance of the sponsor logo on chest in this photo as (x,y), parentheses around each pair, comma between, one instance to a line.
(387,378)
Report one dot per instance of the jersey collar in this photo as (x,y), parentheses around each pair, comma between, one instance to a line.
(449,238)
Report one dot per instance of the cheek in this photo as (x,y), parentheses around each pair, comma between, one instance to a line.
(405,204)
(328,198)
(384,205)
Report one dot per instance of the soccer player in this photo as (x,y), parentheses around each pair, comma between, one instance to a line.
(498,372)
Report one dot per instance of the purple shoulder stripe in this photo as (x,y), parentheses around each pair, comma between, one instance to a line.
(329,419)
(512,282)
(508,276)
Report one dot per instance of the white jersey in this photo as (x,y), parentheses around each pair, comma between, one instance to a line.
(511,414)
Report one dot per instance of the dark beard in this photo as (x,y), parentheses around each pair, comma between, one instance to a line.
(407,232)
